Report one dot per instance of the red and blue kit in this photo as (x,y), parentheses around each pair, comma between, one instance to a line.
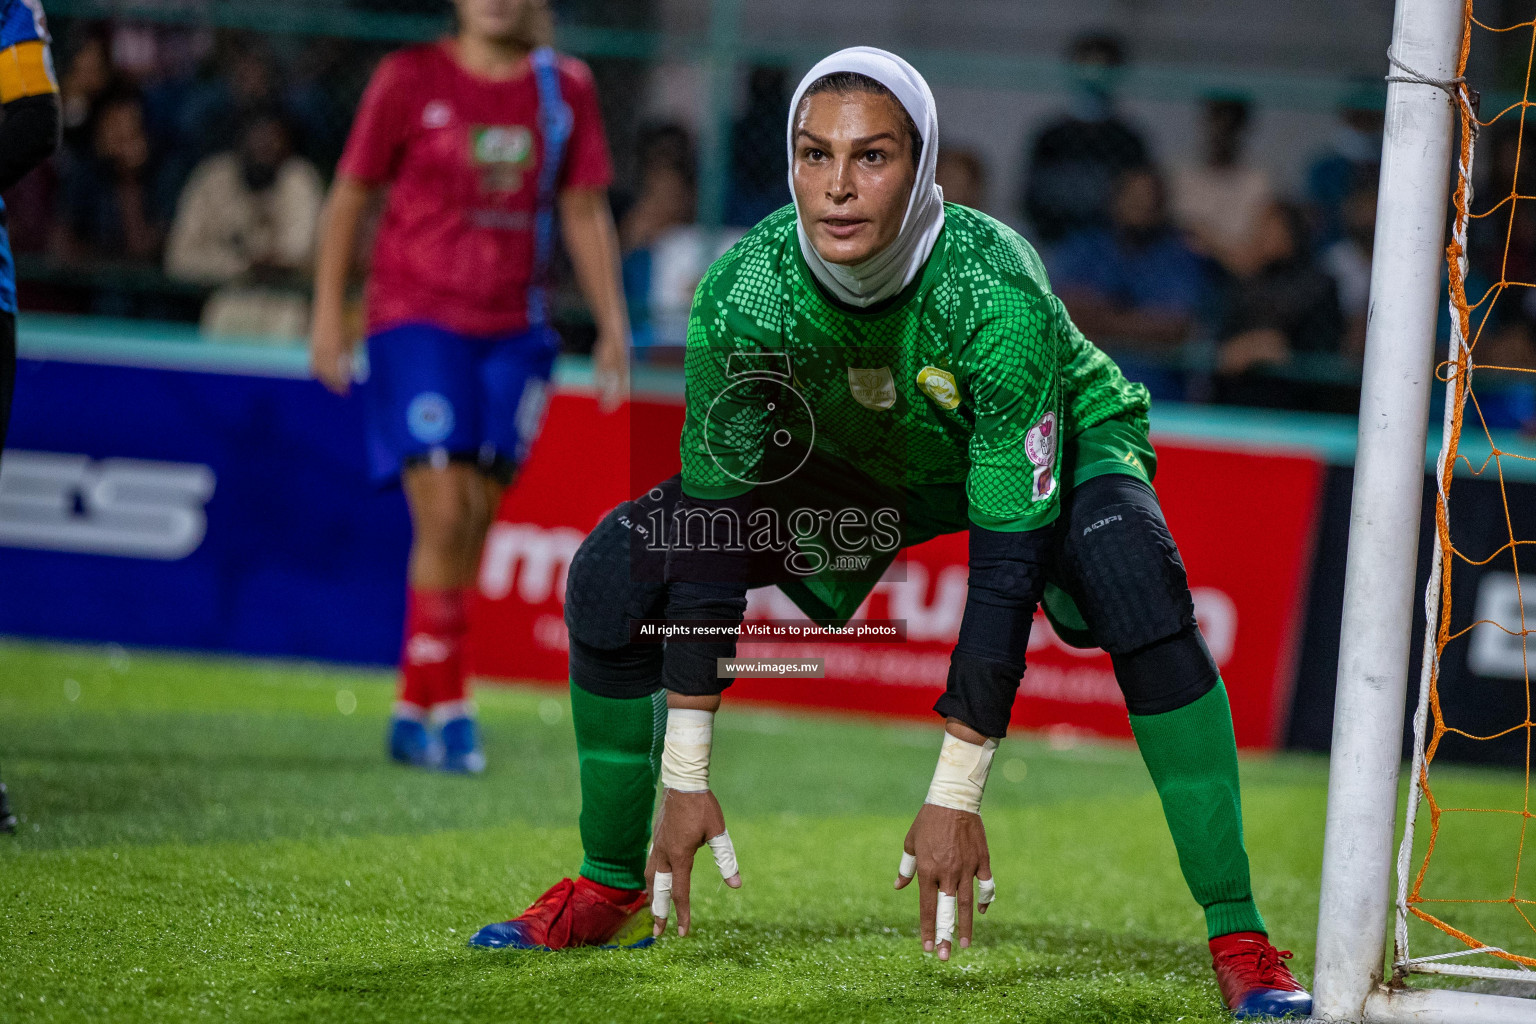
(473,168)
(464,159)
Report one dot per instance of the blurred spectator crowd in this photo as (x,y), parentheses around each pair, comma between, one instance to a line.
(189,181)
(1203,263)
(194,164)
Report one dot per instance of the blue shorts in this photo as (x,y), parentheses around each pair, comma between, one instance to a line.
(435,396)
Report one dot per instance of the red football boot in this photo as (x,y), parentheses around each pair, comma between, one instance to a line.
(579,913)
(1254,980)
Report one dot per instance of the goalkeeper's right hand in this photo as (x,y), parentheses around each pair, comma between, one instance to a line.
(685,822)
(690,816)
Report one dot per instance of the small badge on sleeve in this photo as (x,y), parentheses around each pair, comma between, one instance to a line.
(940,386)
(1040,446)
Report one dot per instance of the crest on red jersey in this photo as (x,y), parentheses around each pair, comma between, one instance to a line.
(503,153)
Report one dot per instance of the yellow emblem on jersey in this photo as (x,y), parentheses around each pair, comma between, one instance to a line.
(940,386)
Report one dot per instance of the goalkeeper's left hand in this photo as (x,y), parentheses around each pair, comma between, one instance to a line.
(947,849)
(947,845)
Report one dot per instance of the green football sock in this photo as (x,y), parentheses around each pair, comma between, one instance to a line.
(618,745)
(1192,756)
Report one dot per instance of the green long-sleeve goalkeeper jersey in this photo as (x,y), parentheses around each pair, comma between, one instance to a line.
(970,377)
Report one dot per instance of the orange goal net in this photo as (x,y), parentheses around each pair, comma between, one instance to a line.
(1458,911)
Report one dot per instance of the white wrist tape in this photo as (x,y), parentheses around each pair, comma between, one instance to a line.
(961,774)
(685,758)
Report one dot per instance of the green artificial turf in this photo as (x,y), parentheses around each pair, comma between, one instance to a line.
(222,839)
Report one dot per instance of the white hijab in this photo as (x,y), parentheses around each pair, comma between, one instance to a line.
(888,272)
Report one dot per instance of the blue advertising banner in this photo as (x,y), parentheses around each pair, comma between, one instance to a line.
(182,494)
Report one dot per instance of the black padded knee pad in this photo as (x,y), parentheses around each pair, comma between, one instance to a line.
(623,673)
(617,574)
(1122,567)
(1166,675)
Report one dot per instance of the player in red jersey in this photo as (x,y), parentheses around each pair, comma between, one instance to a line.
(481,145)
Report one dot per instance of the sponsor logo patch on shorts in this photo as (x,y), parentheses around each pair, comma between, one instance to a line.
(429,418)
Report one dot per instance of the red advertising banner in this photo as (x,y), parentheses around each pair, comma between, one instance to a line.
(1243,519)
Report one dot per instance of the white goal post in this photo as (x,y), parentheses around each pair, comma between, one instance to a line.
(1355,905)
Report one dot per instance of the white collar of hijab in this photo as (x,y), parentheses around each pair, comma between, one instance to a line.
(887,272)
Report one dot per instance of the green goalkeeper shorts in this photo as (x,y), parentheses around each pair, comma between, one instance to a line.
(1114,446)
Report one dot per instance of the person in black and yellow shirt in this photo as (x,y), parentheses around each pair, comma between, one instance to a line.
(29,132)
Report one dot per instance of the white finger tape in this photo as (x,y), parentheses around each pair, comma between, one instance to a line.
(725,854)
(908,866)
(986,890)
(661,895)
(944,921)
